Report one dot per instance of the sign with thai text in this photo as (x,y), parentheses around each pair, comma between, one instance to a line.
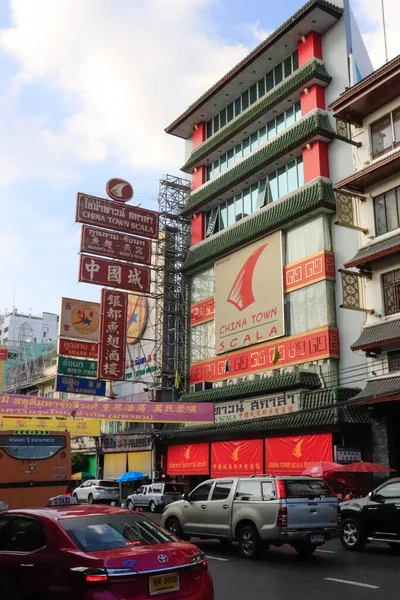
(76,366)
(14,405)
(79,319)
(115,245)
(115,274)
(112,347)
(188,459)
(79,385)
(116,216)
(249,295)
(74,426)
(242,410)
(78,349)
(290,455)
(124,442)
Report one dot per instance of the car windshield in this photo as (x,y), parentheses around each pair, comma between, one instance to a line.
(307,488)
(173,488)
(109,532)
(108,484)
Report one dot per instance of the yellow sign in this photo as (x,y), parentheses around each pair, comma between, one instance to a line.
(249,295)
(79,319)
(90,427)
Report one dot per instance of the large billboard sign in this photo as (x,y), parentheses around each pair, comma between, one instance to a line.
(115,245)
(102,212)
(79,319)
(249,295)
(112,347)
(112,273)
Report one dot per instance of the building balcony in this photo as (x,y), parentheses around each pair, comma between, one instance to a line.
(376,172)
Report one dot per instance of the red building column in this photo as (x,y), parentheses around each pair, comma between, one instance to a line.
(199,177)
(310,46)
(315,161)
(197,228)
(311,98)
(199,134)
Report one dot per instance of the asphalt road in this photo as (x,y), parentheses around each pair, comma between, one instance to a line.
(331,574)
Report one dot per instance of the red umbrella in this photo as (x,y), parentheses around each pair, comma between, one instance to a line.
(363,467)
(321,468)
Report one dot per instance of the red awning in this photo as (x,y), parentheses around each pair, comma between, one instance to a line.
(188,459)
(290,455)
(244,457)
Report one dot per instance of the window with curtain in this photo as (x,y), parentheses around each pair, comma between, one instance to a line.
(310,307)
(202,341)
(202,285)
(308,238)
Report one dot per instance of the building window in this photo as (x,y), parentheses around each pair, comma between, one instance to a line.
(253,142)
(5,329)
(385,133)
(278,183)
(394,361)
(309,238)
(254,93)
(310,307)
(391,292)
(202,341)
(202,286)
(387,211)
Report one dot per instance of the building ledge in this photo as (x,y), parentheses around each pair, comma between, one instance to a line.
(316,196)
(308,129)
(383,389)
(378,336)
(312,72)
(375,251)
(299,379)
(377,171)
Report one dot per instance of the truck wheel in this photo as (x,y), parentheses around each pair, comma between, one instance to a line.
(175,528)
(352,537)
(152,507)
(90,499)
(249,542)
(130,505)
(305,549)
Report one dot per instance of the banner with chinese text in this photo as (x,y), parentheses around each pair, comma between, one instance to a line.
(290,455)
(89,427)
(14,405)
(113,273)
(78,349)
(244,457)
(113,326)
(188,459)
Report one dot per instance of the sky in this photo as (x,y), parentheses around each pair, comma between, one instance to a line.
(86,90)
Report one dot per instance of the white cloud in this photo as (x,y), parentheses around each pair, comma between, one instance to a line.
(369,16)
(125,69)
(257,32)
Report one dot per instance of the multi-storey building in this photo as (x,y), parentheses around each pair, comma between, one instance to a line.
(265,319)
(42,328)
(370,201)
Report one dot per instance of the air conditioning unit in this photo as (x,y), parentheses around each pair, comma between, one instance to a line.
(232,381)
(247,378)
(203,385)
(287,370)
(218,384)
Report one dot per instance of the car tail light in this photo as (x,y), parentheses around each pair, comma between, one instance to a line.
(91,575)
(198,563)
(280,489)
(282,517)
(98,488)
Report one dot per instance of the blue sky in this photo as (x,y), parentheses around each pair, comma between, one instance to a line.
(85,92)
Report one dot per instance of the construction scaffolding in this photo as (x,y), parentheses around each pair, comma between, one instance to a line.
(171,311)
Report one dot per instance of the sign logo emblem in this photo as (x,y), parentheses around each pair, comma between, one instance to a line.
(162,558)
(186,454)
(241,294)
(235,454)
(138,312)
(298,449)
(119,189)
(85,319)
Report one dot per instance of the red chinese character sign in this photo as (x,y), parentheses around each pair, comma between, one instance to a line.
(244,457)
(290,455)
(188,459)
(115,245)
(112,273)
(112,346)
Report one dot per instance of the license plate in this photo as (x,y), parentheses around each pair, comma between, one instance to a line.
(159,584)
(317,539)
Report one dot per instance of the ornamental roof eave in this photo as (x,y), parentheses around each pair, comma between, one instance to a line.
(315,15)
(378,335)
(315,196)
(377,171)
(374,252)
(314,71)
(368,95)
(308,129)
(382,389)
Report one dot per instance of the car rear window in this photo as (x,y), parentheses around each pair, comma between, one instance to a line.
(108,484)
(109,532)
(173,488)
(307,488)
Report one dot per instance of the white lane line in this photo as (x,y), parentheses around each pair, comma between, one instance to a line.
(366,585)
(217,558)
(327,551)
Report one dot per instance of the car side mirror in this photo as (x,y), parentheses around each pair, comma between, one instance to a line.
(376,497)
(185,496)
(371,496)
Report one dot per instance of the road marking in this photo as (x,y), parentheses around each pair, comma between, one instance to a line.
(327,551)
(217,558)
(366,585)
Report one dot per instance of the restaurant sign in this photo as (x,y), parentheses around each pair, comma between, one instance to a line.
(115,245)
(78,349)
(76,366)
(253,408)
(78,385)
(115,274)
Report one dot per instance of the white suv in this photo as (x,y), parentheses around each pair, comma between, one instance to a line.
(97,490)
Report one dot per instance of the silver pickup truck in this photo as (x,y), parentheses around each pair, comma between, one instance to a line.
(257,512)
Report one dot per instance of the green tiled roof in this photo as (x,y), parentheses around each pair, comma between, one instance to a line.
(318,195)
(323,410)
(303,379)
(312,70)
(299,134)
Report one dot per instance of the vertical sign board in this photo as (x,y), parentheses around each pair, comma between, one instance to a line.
(112,348)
